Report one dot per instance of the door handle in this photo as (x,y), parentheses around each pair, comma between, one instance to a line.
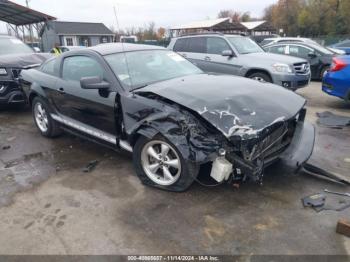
(207,58)
(61,90)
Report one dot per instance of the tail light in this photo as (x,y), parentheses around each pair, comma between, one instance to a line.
(337,65)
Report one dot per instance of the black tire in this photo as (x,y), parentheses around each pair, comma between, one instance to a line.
(188,174)
(260,75)
(323,72)
(53,130)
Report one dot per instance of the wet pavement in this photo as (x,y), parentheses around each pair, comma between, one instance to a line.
(48,205)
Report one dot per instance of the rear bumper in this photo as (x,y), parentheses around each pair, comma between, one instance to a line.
(10,93)
(292,82)
(337,84)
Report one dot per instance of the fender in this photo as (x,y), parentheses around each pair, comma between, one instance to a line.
(246,72)
(29,86)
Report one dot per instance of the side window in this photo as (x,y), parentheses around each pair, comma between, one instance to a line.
(216,45)
(281,49)
(299,51)
(49,67)
(180,45)
(196,45)
(76,67)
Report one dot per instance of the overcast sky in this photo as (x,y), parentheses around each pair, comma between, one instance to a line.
(137,13)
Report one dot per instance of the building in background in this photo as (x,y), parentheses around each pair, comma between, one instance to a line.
(222,25)
(74,34)
(226,26)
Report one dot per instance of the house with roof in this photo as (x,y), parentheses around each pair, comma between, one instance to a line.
(224,25)
(74,34)
(256,28)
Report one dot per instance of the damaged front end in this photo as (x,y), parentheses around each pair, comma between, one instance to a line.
(239,131)
(290,141)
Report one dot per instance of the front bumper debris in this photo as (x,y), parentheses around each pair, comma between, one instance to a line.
(301,147)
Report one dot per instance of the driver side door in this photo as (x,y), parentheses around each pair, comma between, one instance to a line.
(92,109)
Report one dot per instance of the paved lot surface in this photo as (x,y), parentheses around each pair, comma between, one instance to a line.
(49,206)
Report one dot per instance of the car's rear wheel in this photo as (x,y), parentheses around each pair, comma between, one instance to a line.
(160,164)
(261,77)
(43,120)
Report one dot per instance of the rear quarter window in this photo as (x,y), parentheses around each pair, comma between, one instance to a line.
(191,45)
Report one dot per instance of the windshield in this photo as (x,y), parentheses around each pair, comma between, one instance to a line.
(245,45)
(140,68)
(10,46)
(322,49)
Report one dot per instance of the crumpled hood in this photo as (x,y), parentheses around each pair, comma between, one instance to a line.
(234,105)
(23,60)
(274,58)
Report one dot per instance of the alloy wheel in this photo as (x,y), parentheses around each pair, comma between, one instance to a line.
(41,117)
(161,162)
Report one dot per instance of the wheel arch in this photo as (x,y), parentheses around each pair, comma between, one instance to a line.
(258,70)
(34,92)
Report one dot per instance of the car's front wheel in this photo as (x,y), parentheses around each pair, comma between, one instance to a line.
(160,164)
(43,120)
(261,77)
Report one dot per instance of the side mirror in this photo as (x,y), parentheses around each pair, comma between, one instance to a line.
(312,55)
(227,53)
(94,82)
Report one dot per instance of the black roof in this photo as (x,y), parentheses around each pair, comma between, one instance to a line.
(16,14)
(111,48)
(79,28)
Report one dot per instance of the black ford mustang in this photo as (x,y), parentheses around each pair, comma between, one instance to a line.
(172,116)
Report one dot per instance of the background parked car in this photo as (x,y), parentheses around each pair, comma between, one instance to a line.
(14,57)
(238,55)
(67,48)
(277,40)
(319,57)
(337,80)
(343,45)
